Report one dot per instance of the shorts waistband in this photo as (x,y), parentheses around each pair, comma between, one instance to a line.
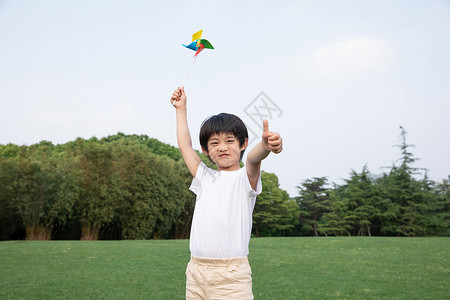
(219,261)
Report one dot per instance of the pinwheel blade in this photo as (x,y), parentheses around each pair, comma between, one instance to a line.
(197,35)
(206,44)
(192,46)
(200,48)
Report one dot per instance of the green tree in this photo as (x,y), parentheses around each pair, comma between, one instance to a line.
(153,145)
(62,188)
(152,196)
(182,224)
(36,187)
(437,214)
(337,221)
(361,197)
(165,196)
(313,203)
(9,180)
(274,213)
(407,200)
(442,210)
(9,151)
(99,187)
(134,209)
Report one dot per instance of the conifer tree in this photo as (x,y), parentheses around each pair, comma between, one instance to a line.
(337,221)
(313,203)
(361,199)
(440,222)
(407,200)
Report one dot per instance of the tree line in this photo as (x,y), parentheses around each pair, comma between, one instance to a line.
(136,187)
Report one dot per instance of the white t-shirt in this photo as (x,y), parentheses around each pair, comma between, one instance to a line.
(222,222)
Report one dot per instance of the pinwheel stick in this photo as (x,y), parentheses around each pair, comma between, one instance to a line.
(193,61)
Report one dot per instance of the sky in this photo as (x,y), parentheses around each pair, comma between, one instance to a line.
(336,79)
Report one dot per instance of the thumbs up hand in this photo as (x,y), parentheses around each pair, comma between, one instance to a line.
(271,140)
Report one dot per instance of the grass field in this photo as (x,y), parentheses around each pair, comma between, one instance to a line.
(283,268)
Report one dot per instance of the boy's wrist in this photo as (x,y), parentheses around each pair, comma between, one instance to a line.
(258,153)
(181,108)
(266,146)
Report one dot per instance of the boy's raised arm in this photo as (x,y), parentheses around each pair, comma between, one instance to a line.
(270,142)
(190,157)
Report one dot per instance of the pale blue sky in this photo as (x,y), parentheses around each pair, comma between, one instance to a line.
(345,74)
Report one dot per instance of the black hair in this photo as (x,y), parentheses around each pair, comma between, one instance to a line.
(223,123)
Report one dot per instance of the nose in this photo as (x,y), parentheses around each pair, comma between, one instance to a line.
(222,147)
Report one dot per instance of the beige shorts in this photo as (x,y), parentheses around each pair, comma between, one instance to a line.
(208,278)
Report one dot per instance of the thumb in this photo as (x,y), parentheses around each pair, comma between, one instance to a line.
(265,128)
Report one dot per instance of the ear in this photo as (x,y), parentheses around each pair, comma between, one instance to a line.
(245,145)
(205,151)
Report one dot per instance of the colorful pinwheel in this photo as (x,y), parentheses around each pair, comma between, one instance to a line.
(198,44)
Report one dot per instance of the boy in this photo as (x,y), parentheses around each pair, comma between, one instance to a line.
(222,221)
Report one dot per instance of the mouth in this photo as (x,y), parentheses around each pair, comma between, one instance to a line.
(224,155)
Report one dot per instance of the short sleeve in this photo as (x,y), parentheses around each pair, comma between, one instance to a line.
(196,185)
(258,190)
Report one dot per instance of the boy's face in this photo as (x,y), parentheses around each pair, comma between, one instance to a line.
(225,151)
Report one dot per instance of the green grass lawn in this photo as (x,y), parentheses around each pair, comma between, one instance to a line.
(283,268)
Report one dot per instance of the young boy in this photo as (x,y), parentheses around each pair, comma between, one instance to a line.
(222,221)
